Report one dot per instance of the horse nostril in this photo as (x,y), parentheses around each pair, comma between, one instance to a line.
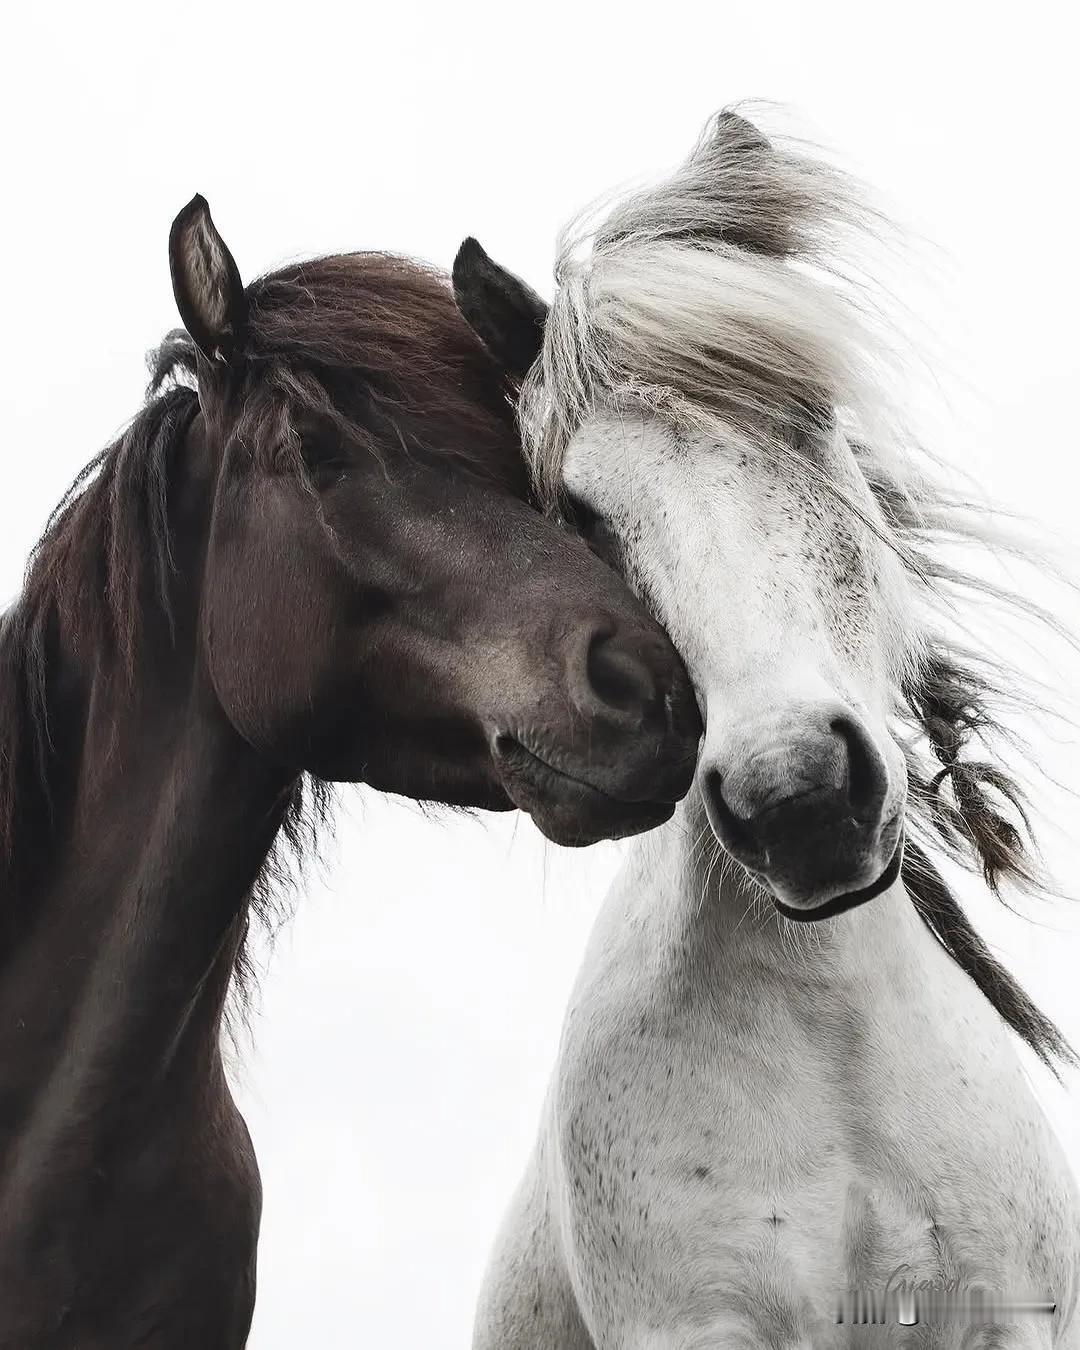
(727,827)
(866,777)
(617,677)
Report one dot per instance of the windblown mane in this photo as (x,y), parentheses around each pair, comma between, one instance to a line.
(732,297)
(372,342)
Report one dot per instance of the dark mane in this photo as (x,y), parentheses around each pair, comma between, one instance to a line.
(974,811)
(103,544)
(370,342)
(376,344)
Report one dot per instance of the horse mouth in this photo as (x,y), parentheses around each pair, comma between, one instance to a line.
(570,810)
(851,899)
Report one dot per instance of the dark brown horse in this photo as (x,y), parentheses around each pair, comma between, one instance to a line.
(310,557)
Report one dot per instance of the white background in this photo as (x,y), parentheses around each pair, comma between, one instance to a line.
(411,1013)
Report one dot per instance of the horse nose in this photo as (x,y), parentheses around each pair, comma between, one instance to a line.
(829,770)
(619,679)
(633,693)
(800,798)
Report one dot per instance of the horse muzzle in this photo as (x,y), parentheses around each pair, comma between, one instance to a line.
(805,801)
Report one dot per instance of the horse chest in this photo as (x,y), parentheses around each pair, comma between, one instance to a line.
(759,1159)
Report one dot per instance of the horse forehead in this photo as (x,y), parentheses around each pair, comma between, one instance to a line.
(727,494)
(639,461)
(615,449)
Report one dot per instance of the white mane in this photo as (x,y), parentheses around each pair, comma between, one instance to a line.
(730,297)
(725,291)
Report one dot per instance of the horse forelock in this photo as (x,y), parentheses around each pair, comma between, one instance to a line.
(734,297)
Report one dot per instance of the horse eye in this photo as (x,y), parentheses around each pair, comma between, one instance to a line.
(324,453)
(579,516)
(594,529)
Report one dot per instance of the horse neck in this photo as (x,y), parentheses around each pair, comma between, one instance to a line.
(114,984)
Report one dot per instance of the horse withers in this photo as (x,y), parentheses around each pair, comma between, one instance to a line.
(312,556)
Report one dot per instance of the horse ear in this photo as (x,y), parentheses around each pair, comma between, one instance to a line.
(738,135)
(206,283)
(742,172)
(505,314)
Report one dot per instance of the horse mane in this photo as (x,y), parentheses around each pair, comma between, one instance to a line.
(731,297)
(370,342)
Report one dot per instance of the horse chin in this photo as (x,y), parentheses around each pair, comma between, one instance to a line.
(574,827)
(568,810)
(815,910)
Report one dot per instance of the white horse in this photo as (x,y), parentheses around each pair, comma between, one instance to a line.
(758,1129)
